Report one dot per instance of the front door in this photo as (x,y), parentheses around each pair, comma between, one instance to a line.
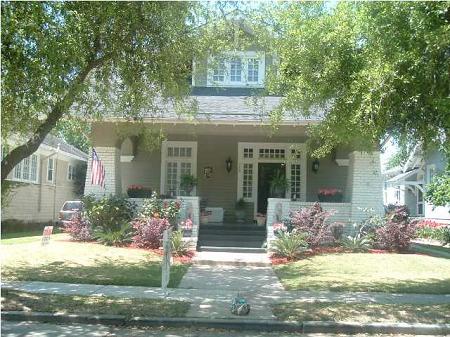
(266,172)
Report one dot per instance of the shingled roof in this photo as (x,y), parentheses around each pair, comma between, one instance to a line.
(230,105)
(53,142)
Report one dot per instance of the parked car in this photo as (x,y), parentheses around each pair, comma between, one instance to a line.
(69,210)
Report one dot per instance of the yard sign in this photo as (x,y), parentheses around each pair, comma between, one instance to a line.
(46,235)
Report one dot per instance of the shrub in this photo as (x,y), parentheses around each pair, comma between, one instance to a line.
(313,222)
(289,245)
(110,237)
(337,230)
(161,209)
(179,246)
(149,231)
(398,231)
(444,235)
(361,241)
(109,212)
(79,229)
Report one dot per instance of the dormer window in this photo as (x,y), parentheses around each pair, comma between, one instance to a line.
(238,69)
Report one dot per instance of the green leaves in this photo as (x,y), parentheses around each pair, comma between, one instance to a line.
(373,68)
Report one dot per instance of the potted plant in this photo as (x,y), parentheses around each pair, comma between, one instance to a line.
(278,185)
(240,210)
(330,195)
(139,191)
(188,182)
(187,226)
(260,219)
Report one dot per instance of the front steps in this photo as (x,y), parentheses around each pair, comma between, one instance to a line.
(233,238)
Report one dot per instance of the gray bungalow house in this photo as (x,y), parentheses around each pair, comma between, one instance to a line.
(227,145)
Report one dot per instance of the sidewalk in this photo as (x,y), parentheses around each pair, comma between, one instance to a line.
(214,303)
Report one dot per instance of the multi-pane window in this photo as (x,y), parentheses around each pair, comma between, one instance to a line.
(50,169)
(252,70)
(219,71)
(26,170)
(171,178)
(71,172)
(179,158)
(248,153)
(236,70)
(295,181)
(247,183)
(272,153)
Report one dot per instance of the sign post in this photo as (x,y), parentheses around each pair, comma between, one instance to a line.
(167,246)
(48,230)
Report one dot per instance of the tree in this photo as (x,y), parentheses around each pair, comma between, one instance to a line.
(85,59)
(374,68)
(438,191)
(74,131)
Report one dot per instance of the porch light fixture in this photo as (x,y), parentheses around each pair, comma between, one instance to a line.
(228,164)
(315,165)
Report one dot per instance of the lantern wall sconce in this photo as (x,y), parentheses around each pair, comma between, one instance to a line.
(229,164)
(315,165)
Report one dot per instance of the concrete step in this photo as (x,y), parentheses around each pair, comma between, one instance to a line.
(250,228)
(231,243)
(231,249)
(231,232)
(231,237)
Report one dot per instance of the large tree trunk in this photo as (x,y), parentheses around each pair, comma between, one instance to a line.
(60,108)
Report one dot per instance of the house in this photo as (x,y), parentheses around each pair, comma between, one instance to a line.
(228,145)
(407,184)
(45,180)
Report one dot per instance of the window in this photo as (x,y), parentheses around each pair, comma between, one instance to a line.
(247,183)
(419,200)
(252,70)
(26,170)
(237,69)
(70,172)
(219,71)
(295,181)
(178,158)
(50,169)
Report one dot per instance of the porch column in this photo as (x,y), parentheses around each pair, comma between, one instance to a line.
(364,184)
(110,158)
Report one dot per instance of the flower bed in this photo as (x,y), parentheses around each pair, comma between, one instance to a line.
(433,230)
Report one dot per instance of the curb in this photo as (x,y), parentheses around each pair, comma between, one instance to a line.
(243,324)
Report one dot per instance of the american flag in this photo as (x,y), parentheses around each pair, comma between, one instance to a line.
(98,170)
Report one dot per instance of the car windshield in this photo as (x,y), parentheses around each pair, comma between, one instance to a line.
(72,205)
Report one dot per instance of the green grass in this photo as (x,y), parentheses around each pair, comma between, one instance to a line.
(393,273)
(13,300)
(25,237)
(362,312)
(89,263)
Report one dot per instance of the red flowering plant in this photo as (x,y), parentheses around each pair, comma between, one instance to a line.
(430,229)
(139,191)
(330,195)
(161,209)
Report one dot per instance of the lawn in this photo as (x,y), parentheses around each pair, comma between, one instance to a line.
(26,237)
(72,262)
(13,300)
(362,312)
(393,273)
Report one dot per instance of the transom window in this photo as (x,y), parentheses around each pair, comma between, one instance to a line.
(178,158)
(26,170)
(237,69)
(272,153)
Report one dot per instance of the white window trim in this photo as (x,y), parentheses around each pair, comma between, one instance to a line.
(430,168)
(68,172)
(164,159)
(289,160)
(35,181)
(244,56)
(53,170)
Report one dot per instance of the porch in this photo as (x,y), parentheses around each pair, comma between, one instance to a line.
(239,162)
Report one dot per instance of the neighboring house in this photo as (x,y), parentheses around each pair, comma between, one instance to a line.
(406,185)
(45,180)
(229,147)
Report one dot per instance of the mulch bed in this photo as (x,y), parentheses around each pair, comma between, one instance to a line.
(276,260)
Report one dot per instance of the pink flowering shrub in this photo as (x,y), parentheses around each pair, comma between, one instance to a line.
(187,225)
(149,231)
(313,221)
(397,232)
(79,229)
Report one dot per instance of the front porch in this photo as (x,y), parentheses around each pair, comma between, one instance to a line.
(239,162)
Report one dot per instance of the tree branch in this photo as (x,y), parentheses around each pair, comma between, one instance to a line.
(21,152)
